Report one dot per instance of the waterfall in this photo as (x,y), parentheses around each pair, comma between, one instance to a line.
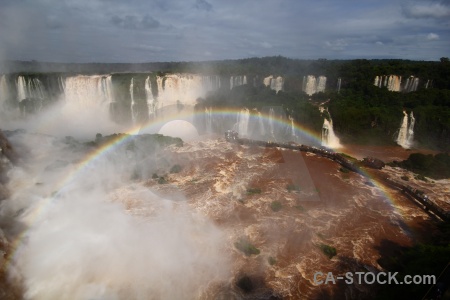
(339,84)
(275,84)
(313,84)
(88,92)
(411,84)
(321,84)
(208,119)
(243,120)
(292,127)
(405,135)
(262,130)
(108,88)
(394,83)
(376,81)
(184,88)
(149,96)
(329,138)
(4,91)
(410,136)
(237,81)
(133,113)
(271,117)
(29,88)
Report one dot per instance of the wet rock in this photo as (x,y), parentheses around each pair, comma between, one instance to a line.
(7,149)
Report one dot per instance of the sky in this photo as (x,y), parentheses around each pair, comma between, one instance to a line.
(201,30)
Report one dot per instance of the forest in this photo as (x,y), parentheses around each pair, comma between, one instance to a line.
(361,111)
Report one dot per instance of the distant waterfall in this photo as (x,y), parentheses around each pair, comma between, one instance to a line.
(149,96)
(184,88)
(237,81)
(243,120)
(86,92)
(394,83)
(29,88)
(412,122)
(275,83)
(339,84)
(406,131)
(411,84)
(312,84)
(329,138)
(271,118)
(4,91)
(133,104)
(293,134)
(208,119)
(262,130)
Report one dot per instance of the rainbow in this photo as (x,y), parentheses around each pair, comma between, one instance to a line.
(153,126)
(300,130)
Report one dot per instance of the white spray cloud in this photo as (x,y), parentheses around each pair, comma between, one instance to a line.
(103,236)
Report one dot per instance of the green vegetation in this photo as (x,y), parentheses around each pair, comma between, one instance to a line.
(361,112)
(344,170)
(433,166)
(429,257)
(142,142)
(300,208)
(246,247)
(421,177)
(329,251)
(276,206)
(252,191)
(162,180)
(175,169)
(245,284)
(293,187)
(347,156)
(271,260)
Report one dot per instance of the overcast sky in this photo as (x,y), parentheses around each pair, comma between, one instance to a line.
(186,30)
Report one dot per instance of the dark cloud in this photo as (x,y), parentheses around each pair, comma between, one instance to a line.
(149,22)
(203,5)
(54,23)
(86,30)
(134,22)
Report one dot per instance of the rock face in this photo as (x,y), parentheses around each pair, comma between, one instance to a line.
(373,163)
(7,149)
(8,289)
(30,105)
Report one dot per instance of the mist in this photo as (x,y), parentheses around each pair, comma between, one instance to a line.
(94,233)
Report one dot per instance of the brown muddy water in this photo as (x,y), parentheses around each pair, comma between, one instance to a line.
(286,204)
(236,186)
